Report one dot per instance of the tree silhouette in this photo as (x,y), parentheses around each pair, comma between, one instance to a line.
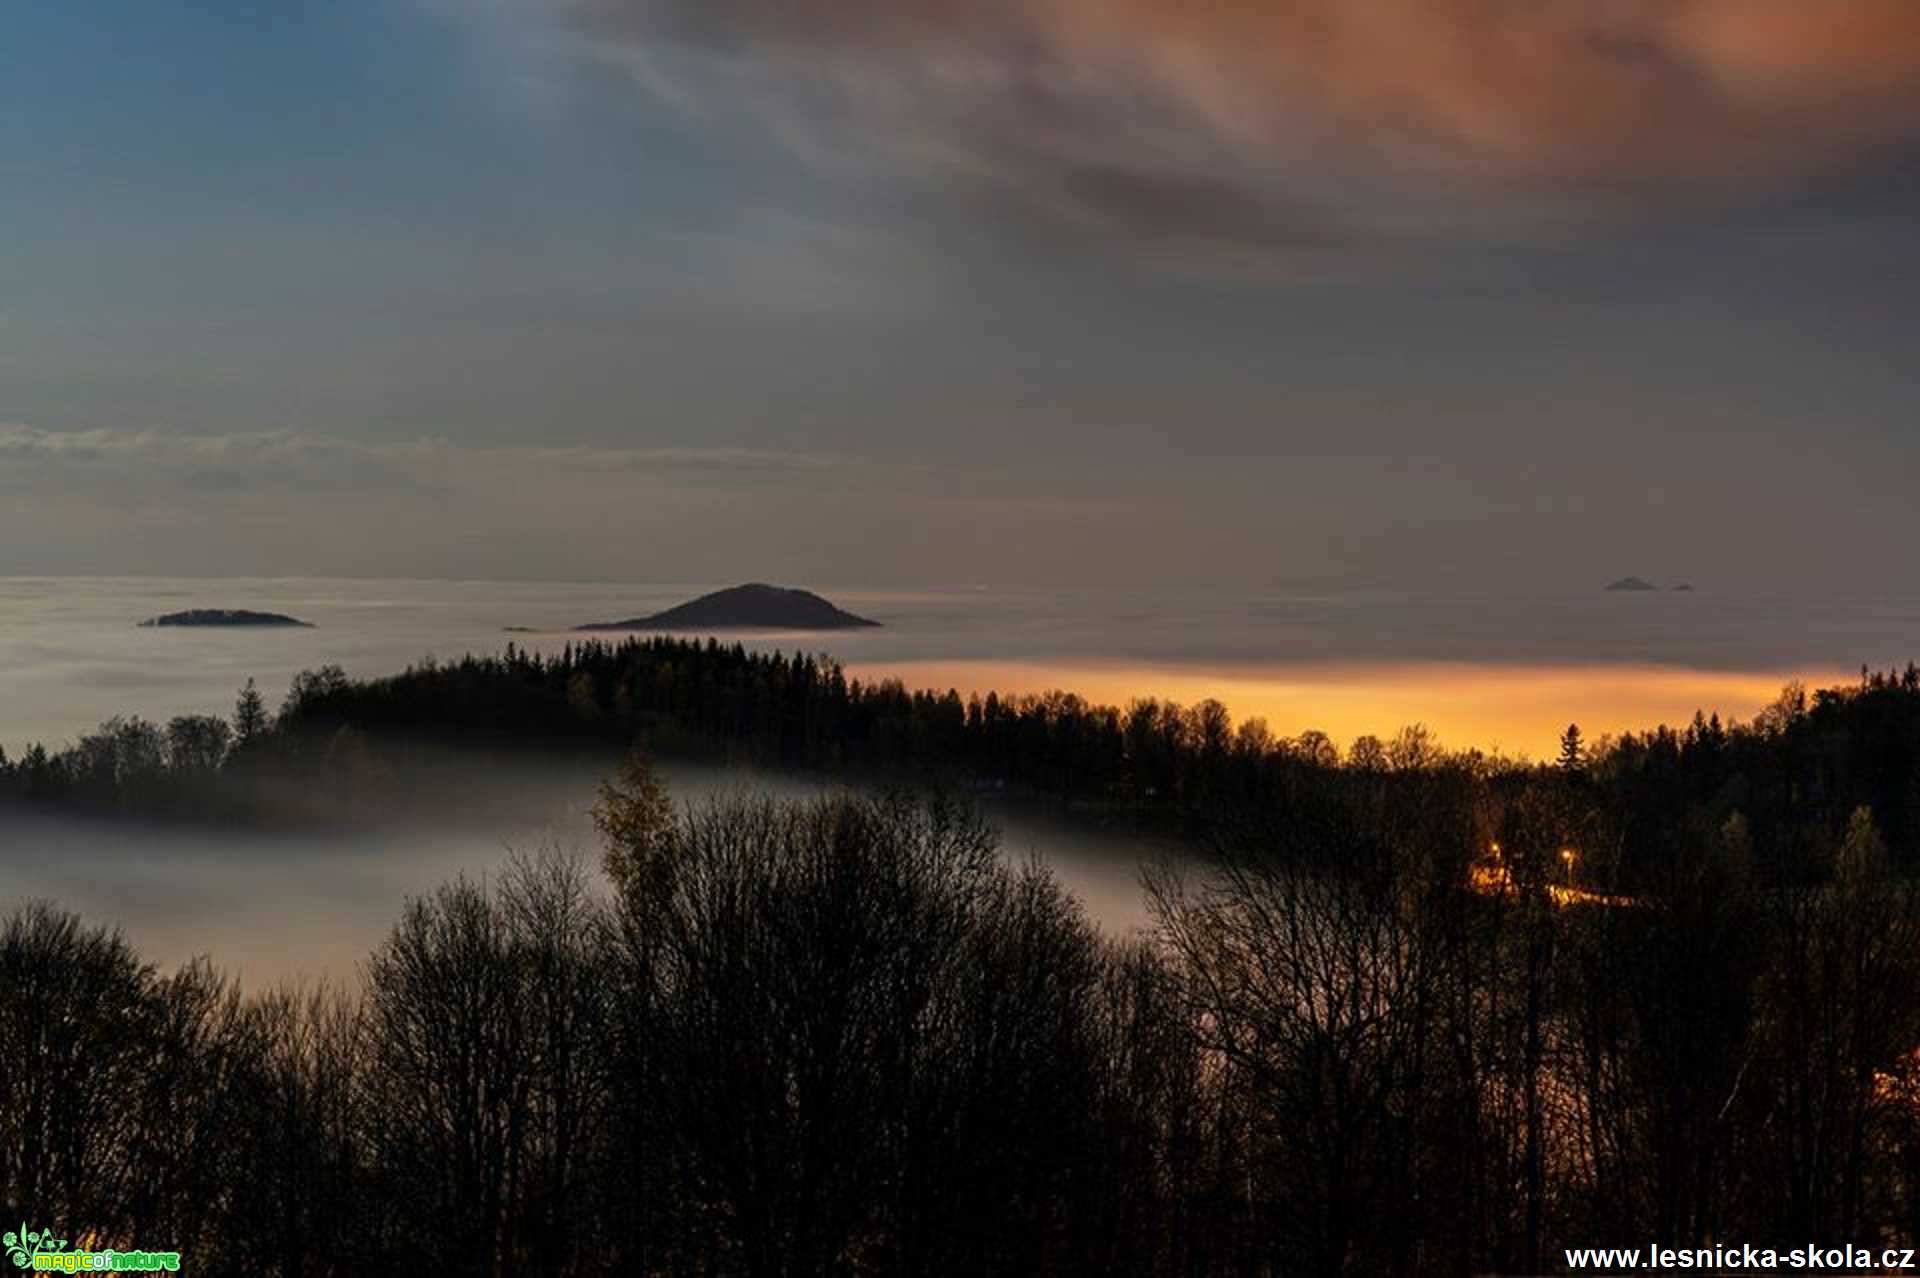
(1573,751)
(249,714)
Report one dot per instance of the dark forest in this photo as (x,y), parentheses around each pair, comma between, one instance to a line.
(1401,1011)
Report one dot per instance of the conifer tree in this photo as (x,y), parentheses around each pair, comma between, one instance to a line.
(249,714)
(1573,751)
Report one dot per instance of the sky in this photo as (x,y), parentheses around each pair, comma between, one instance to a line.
(1266,293)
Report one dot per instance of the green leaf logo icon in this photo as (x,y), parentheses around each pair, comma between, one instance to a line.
(22,1245)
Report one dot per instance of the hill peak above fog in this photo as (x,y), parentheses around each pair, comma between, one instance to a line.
(225,617)
(754,606)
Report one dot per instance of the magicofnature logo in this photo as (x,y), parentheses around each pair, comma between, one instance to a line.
(42,1252)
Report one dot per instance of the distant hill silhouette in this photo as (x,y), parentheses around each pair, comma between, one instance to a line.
(754,606)
(1633,583)
(225,617)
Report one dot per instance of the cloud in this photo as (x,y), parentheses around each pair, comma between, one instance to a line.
(162,471)
(275,503)
(115,462)
(279,502)
(1309,126)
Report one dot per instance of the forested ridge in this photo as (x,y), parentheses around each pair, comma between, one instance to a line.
(338,748)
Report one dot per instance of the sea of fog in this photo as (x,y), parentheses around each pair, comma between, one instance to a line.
(286,907)
(1505,672)
(1490,670)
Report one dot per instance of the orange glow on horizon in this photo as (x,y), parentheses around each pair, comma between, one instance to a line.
(1515,710)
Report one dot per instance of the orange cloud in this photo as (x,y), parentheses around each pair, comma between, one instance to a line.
(1572,88)
(1307,120)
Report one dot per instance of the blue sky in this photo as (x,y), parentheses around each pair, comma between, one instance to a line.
(613,288)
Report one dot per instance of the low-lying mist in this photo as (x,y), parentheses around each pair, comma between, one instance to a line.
(269,904)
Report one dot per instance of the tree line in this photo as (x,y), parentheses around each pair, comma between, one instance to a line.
(846,1036)
(340,749)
